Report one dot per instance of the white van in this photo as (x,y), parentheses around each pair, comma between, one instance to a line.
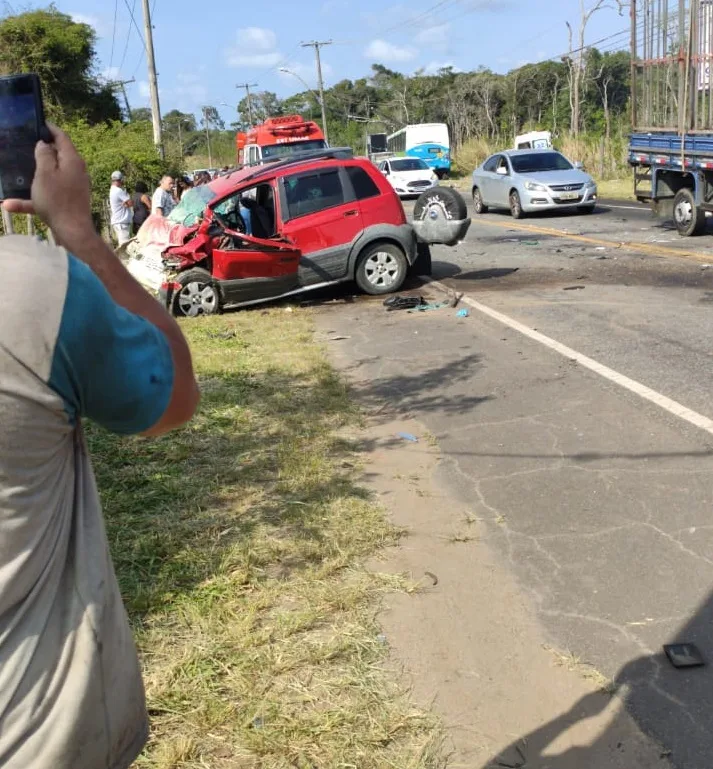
(535,140)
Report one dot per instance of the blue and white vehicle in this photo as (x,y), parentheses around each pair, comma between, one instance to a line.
(429,142)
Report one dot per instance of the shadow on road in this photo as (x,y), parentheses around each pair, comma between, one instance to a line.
(673,706)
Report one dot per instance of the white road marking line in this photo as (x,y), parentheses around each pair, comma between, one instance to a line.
(643,209)
(662,401)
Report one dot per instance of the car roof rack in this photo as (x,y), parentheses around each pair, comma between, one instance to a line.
(330,153)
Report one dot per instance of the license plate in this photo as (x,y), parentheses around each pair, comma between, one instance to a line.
(569,195)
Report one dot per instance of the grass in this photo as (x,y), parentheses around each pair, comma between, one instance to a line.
(621,189)
(238,543)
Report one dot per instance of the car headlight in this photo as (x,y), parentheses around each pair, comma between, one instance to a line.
(434,177)
(591,184)
(534,187)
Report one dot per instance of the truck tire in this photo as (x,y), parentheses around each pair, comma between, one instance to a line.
(446,198)
(689,218)
(382,269)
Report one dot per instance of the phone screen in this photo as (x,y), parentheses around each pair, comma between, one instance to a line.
(19,133)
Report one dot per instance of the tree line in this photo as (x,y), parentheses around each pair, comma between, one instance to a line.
(583,94)
(475,105)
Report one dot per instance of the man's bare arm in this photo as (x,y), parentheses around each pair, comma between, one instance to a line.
(61,197)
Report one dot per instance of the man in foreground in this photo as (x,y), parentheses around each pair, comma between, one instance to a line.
(71,695)
(162,202)
(120,204)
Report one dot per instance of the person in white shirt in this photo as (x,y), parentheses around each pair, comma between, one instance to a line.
(120,203)
(162,202)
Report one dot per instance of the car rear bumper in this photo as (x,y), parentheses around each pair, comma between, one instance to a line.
(552,201)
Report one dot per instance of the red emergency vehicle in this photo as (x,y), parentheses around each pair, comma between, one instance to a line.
(278,137)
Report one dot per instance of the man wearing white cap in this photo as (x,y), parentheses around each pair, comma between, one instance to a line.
(120,203)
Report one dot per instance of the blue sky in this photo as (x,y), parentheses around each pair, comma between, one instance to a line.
(204,49)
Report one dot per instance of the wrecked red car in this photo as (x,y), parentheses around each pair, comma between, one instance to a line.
(270,231)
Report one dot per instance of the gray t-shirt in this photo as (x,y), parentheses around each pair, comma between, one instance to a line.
(163,200)
(71,695)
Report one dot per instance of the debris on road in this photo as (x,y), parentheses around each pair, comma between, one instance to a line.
(530,242)
(684,655)
(430,306)
(408,437)
(433,577)
(338,338)
(455,298)
(462,313)
(573,288)
(403,302)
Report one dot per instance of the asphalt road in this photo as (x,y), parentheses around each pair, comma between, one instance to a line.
(573,408)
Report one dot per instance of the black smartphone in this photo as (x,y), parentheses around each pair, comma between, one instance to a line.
(22,125)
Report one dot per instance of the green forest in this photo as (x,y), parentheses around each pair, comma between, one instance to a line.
(583,99)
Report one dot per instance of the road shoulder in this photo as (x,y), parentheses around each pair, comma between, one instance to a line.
(468,638)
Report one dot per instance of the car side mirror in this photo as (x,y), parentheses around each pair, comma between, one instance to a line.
(385,172)
(579,165)
(501,171)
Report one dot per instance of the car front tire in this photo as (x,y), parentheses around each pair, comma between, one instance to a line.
(198,294)
(516,205)
(478,205)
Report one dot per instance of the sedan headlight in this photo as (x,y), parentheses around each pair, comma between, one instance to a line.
(591,184)
(534,187)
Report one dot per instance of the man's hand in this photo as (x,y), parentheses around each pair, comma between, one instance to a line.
(61,194)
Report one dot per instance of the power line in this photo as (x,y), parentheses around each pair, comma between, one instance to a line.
(113,33)
(128,38)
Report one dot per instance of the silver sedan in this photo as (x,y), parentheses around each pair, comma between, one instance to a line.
(526,181)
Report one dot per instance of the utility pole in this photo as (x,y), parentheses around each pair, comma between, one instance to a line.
(317,45)
(120,84)
(247,87)
(153,80)
(207,136)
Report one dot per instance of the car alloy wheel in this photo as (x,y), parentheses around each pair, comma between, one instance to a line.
(197,298)
(382,270)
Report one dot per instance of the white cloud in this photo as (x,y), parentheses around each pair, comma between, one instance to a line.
(438,36)
(259,60)
(255,47)
(381,51)
(433,67)
(111,73)
(305,71)
(144,90)
(92,21)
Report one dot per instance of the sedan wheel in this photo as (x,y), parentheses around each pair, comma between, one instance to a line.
(478,204)
(516,205)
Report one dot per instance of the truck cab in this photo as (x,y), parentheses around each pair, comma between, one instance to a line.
(277,138)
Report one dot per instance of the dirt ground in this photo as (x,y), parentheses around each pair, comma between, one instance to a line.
(468,641)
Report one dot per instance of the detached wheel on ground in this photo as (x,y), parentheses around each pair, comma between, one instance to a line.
(382,269)
(516,205)
(446,199)
(689,218)
(478,205)
(198,294)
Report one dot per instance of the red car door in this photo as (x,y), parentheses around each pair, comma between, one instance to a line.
(256,266)
(322,220)
(251,269)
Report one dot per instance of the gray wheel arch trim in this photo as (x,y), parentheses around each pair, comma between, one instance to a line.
(402,235)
